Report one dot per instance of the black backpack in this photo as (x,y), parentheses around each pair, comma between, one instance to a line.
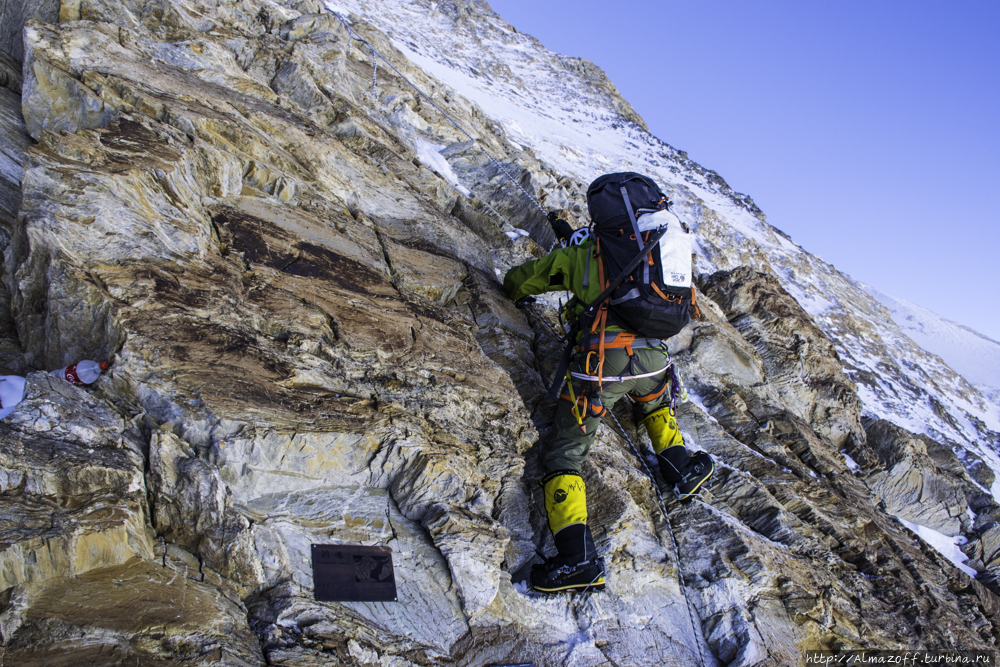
(641,303)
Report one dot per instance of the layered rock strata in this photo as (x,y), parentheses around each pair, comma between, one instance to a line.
(311,345)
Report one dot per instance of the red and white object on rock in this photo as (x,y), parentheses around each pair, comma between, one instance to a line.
(82,372)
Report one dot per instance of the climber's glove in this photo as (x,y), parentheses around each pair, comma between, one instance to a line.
(524,301)
(563,230)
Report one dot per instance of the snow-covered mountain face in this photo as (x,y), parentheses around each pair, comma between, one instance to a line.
(971,354)
(572,117)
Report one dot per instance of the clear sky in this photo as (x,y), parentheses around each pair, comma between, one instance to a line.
(869,131)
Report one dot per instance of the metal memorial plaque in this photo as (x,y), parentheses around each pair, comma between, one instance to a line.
(347,572)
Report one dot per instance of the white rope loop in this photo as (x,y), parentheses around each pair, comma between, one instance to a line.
(615,378)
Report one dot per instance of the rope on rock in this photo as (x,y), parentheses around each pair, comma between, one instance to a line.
(656,487)
(496,213)
(540,317)
(355,36)
(670,530)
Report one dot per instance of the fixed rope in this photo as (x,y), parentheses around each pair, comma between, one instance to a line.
(539,316)
(670,530)
(355,36)
(496,213)
(656,487)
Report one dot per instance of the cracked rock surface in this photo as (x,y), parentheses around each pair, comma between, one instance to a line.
(310,345)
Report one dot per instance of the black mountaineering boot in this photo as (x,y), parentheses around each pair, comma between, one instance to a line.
(551,577)
(571,570)
(684,472)
(673,461)
(694,474)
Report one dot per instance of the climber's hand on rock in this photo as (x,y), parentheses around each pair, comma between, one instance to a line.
(562,229)
(525,301)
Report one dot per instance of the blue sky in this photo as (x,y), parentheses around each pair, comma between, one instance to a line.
(867,131)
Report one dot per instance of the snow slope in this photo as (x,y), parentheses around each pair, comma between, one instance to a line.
(974,356)
(572,117)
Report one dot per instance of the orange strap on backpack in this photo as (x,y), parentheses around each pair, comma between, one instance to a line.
(602,319)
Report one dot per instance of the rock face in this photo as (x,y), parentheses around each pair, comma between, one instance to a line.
(797,358)
(86,578)
(311,345)
(14,140)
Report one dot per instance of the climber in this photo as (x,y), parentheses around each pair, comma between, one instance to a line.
(610,359)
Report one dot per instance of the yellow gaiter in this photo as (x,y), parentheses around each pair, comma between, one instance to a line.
(662,429)
(565,500)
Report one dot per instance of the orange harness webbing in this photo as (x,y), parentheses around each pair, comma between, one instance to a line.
(622,339)
(583,404)
(656,394)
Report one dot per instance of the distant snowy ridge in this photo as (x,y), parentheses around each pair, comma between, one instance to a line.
(973,355)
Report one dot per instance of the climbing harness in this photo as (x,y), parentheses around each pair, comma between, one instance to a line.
(355,36)
(619,340)
(670,530)
(614,378)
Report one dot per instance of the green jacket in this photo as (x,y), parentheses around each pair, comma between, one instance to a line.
(561,269)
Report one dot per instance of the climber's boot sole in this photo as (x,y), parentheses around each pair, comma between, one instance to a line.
(551,578)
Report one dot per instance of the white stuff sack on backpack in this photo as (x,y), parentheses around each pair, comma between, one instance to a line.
(675,247)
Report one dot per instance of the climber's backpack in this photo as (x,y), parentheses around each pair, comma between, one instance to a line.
(656,299)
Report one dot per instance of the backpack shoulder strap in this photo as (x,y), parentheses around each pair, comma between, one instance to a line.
(635,229)
(586,317)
